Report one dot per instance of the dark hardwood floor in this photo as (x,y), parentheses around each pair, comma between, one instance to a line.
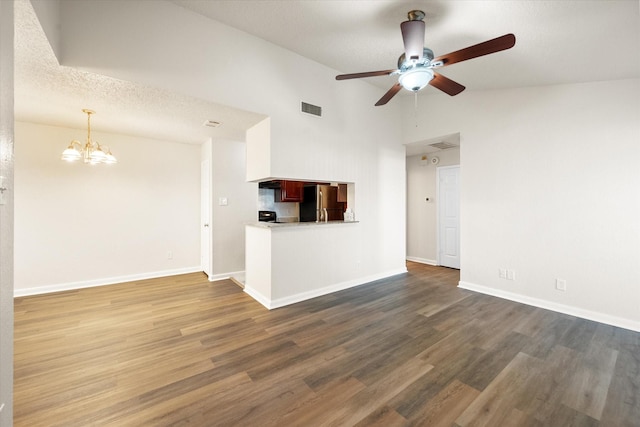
(409,350)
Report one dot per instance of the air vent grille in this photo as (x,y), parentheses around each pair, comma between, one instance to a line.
(211,124)
(442,145)
(311,109)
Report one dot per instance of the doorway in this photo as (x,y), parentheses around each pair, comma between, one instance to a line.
(422,162)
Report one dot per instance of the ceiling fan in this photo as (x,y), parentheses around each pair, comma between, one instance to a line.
(416,65)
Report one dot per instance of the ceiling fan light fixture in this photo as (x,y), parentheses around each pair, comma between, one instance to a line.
(416,78)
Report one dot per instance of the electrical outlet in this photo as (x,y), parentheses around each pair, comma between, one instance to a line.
(561,285)
(223,201)
(511,275)
(502,273)
(169,255)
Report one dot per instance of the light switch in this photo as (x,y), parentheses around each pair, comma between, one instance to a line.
(222,201)
(2,190)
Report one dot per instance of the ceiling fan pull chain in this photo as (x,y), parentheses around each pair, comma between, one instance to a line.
(415,106)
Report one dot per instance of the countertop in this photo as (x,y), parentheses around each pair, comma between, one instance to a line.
(297,224)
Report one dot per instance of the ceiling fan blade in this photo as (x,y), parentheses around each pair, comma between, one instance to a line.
(485,48)
(366,74)
(446,85)
(413,37)
(390,94)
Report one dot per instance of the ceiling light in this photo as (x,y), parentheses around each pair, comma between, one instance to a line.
(92,152)
(416,78)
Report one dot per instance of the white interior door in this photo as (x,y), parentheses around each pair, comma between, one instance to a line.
(449,216)
(205,217)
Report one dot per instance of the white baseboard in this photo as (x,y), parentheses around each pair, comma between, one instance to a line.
(258,297)
(303,296)
(224,276)
(422,260)
(102,282)
(553,306)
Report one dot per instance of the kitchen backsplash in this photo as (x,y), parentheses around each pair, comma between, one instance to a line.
(266,202)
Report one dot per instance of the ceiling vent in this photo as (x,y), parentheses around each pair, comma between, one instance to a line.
(442,145)
(311,109)
(211,124)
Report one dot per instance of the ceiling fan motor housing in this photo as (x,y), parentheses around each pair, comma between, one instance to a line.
(415,73)
(405,64)
(415,15)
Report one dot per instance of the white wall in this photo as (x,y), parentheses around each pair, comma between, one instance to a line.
(79,225)
(422,214)
(6,213)
(353,141)
(228,164)
(49,15)
(289,264)
(331,256)
(549,188)
(258,140)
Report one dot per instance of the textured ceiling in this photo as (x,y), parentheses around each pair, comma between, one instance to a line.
(48,93)
(557,42)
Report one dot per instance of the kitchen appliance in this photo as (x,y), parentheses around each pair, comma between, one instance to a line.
(321,204)
(267,216)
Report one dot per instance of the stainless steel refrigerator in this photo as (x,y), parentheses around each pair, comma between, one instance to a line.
(321,204)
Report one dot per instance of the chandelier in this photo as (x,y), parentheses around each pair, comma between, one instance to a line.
(91,152)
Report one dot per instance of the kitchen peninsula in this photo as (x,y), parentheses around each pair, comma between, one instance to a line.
(299,224)
(290,262)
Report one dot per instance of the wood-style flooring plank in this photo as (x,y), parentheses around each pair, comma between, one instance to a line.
(495,404)
(312,411)
(443,409)
(447,364)
(588,387)
(373,396)
(412,349)
(383,417)
(622,406)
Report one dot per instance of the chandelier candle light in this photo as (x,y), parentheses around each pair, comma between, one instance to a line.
(92,152)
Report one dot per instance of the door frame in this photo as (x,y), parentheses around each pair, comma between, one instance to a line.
(439,169)
(206,226)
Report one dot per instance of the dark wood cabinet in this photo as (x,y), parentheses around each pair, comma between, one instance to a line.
(290,191)
(342,193)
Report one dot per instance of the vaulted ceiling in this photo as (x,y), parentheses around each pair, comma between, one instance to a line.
(557,42)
